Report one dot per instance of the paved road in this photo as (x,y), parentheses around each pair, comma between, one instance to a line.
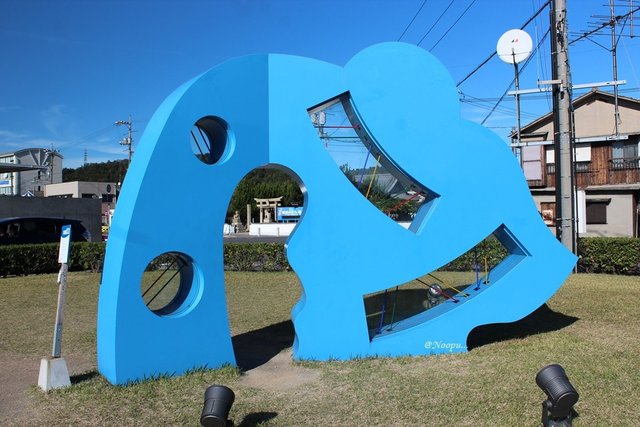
(246,238)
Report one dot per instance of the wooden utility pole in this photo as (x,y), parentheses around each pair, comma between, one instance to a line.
(128,140)
(563,132)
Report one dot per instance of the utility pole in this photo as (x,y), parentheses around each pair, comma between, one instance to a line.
(128,140)
(50,158)
(614,49)
(563,132)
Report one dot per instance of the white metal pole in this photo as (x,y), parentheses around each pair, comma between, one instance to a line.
(62,291)
(53,370)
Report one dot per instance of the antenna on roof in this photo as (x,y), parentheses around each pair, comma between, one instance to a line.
(612,21)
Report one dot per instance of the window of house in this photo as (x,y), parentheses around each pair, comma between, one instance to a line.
(625,155)
(597,211)
(583,166)
(582,158)
(551,168)
(532,162)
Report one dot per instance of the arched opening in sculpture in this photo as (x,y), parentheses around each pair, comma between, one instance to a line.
(275,333)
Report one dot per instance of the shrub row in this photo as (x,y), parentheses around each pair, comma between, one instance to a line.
(618,255)
(255,257)
(613,255)
(43,258)
(490,250)
(20,260)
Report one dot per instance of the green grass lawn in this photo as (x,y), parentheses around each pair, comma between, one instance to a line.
(591,327)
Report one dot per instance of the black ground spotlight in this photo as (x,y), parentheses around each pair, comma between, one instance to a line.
(557,410)
(217,404)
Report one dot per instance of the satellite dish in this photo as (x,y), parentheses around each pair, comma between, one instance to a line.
(514,46)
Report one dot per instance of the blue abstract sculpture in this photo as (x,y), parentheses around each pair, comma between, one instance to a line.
(256,108)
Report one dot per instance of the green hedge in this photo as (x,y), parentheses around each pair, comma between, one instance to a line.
(255,257)
(21,260)
(613,255)
(18,260)
(491,249)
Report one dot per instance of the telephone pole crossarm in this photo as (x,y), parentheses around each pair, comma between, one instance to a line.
(128,140)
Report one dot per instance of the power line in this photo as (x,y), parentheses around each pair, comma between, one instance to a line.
(538,96)
(435,23)
(494,53)
(412,19)
(504,110)
(452,25)
(87,136)
(542,54)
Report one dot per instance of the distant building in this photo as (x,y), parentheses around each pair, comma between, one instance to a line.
(104,191)
(28,171)
(606,166)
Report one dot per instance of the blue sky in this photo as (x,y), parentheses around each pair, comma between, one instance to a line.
(69,69)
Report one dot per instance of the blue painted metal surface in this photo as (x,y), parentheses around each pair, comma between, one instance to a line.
(408,104)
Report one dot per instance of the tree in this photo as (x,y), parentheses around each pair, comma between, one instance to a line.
(111,171)
(263,183)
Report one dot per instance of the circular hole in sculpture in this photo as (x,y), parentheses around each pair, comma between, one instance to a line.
(167,283)
(210,139)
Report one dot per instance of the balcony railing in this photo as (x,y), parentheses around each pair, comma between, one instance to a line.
(581,167)
(624,164)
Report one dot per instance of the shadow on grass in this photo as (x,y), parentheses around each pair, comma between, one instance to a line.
(85,376)
(256,418)
(540,321)
(255,348)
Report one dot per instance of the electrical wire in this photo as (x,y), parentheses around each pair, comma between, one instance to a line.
(92,134)
(412,19)
(435,23)
(494,53)
(542,56)
(504,110)
(452,25)
(633,68)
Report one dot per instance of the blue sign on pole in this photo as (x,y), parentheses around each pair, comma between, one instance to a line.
(65,238)
(288,213)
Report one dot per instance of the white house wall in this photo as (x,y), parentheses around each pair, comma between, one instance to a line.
(620,219)
(620,214)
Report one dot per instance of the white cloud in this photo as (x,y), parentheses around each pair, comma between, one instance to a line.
(11,141)
(9,135)
(58,121)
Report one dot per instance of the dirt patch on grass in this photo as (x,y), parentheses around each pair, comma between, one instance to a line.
(18,375)
(279,374)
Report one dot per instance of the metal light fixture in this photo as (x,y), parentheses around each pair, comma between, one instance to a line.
(217,404)
(433,294)
(557,410)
